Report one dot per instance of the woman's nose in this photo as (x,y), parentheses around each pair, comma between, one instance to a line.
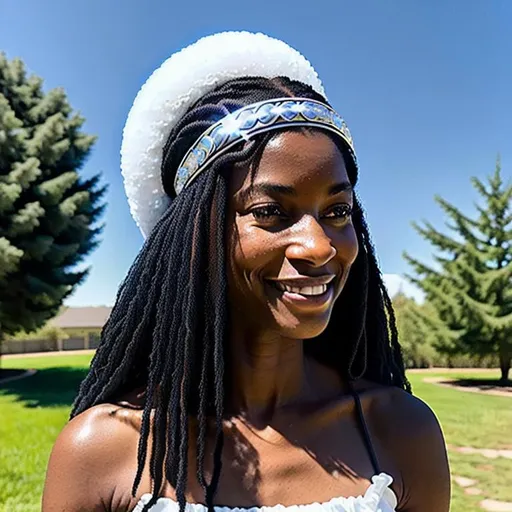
(310,243)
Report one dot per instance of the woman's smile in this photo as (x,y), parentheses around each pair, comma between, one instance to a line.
(304,292)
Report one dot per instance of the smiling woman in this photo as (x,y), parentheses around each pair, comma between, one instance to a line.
(251,359)
(293,242)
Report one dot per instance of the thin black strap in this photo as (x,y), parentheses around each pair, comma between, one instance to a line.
(364,428)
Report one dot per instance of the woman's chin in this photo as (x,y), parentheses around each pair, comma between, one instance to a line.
(304,330)
(300,325)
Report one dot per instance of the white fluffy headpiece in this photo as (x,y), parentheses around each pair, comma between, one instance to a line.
(178,83)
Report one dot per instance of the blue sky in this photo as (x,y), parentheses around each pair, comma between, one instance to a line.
(425,87)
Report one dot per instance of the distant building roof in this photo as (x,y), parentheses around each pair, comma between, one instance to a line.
(82,318)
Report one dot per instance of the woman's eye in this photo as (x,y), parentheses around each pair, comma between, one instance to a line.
(267,212)
(340,211)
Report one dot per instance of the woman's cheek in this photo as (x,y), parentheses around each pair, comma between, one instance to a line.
(347,245)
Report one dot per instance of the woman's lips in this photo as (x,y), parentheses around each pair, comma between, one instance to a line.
(305,292)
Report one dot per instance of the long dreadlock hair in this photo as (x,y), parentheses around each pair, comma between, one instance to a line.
(167,331)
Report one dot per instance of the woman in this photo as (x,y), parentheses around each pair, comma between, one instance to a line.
(251,359)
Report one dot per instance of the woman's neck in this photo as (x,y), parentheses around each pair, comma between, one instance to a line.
(271,373)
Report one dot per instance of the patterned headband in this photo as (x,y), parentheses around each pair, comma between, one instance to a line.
(252,120)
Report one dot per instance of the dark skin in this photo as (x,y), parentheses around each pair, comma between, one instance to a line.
(292,422)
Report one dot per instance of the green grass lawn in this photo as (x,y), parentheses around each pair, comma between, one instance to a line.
(477,420)
(34,410)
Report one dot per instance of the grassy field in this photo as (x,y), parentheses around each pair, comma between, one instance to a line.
(34,410)
(477,420)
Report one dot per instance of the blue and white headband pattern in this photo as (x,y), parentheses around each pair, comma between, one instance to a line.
(252,120)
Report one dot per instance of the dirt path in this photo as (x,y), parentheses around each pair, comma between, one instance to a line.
(453,370)
(470,487)
(496,506)
(49,354)
(489,453)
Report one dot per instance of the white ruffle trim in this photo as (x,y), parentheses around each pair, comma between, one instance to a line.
(377,498)
(178,83)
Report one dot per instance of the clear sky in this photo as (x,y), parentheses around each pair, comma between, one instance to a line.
(425,86)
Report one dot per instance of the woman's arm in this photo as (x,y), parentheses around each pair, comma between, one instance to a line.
(422,458)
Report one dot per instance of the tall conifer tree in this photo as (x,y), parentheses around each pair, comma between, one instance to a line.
(48,213)
(470,287)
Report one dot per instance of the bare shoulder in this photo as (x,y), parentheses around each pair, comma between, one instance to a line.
(412,435)
(407,414)
(99,432)
(88,457)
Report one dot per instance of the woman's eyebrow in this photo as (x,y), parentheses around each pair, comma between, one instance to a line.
(276,189)
(268,189)
(344,186)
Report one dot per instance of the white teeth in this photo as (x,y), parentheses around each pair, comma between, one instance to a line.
(303,290)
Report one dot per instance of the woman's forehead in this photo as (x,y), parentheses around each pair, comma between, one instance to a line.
(295,159)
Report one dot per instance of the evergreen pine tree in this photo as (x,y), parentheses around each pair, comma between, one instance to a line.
(48,213)
(470,290)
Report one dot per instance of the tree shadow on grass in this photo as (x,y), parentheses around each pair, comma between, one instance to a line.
(484,384)
(49,387)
